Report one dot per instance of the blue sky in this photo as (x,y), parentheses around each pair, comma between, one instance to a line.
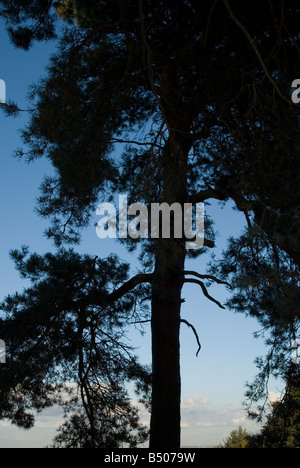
(213,384)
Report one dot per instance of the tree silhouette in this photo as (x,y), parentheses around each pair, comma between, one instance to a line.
(66,342)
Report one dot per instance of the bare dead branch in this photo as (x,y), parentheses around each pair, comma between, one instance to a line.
(195,333)
(205,292)
(208,277)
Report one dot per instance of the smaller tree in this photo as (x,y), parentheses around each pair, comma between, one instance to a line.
(66,345)
(282,429)
(116,422)
(239,438)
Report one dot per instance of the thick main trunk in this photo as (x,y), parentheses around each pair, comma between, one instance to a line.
(166,389)
(166,304)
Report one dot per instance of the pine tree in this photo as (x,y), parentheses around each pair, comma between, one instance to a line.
(208,86)
(239,438)
(282,429)
(66,345)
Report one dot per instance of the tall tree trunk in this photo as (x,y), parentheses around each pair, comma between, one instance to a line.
(166,305)
(166,389)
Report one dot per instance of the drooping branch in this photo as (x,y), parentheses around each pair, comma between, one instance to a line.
(205,292)
(209,277)
(195,333)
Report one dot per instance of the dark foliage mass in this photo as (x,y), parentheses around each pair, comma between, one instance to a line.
(66,346)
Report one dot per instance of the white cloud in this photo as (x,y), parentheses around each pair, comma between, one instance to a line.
(239,421)
(205,423)
(195,402)
(39,436)
(274,396)
(210,424)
